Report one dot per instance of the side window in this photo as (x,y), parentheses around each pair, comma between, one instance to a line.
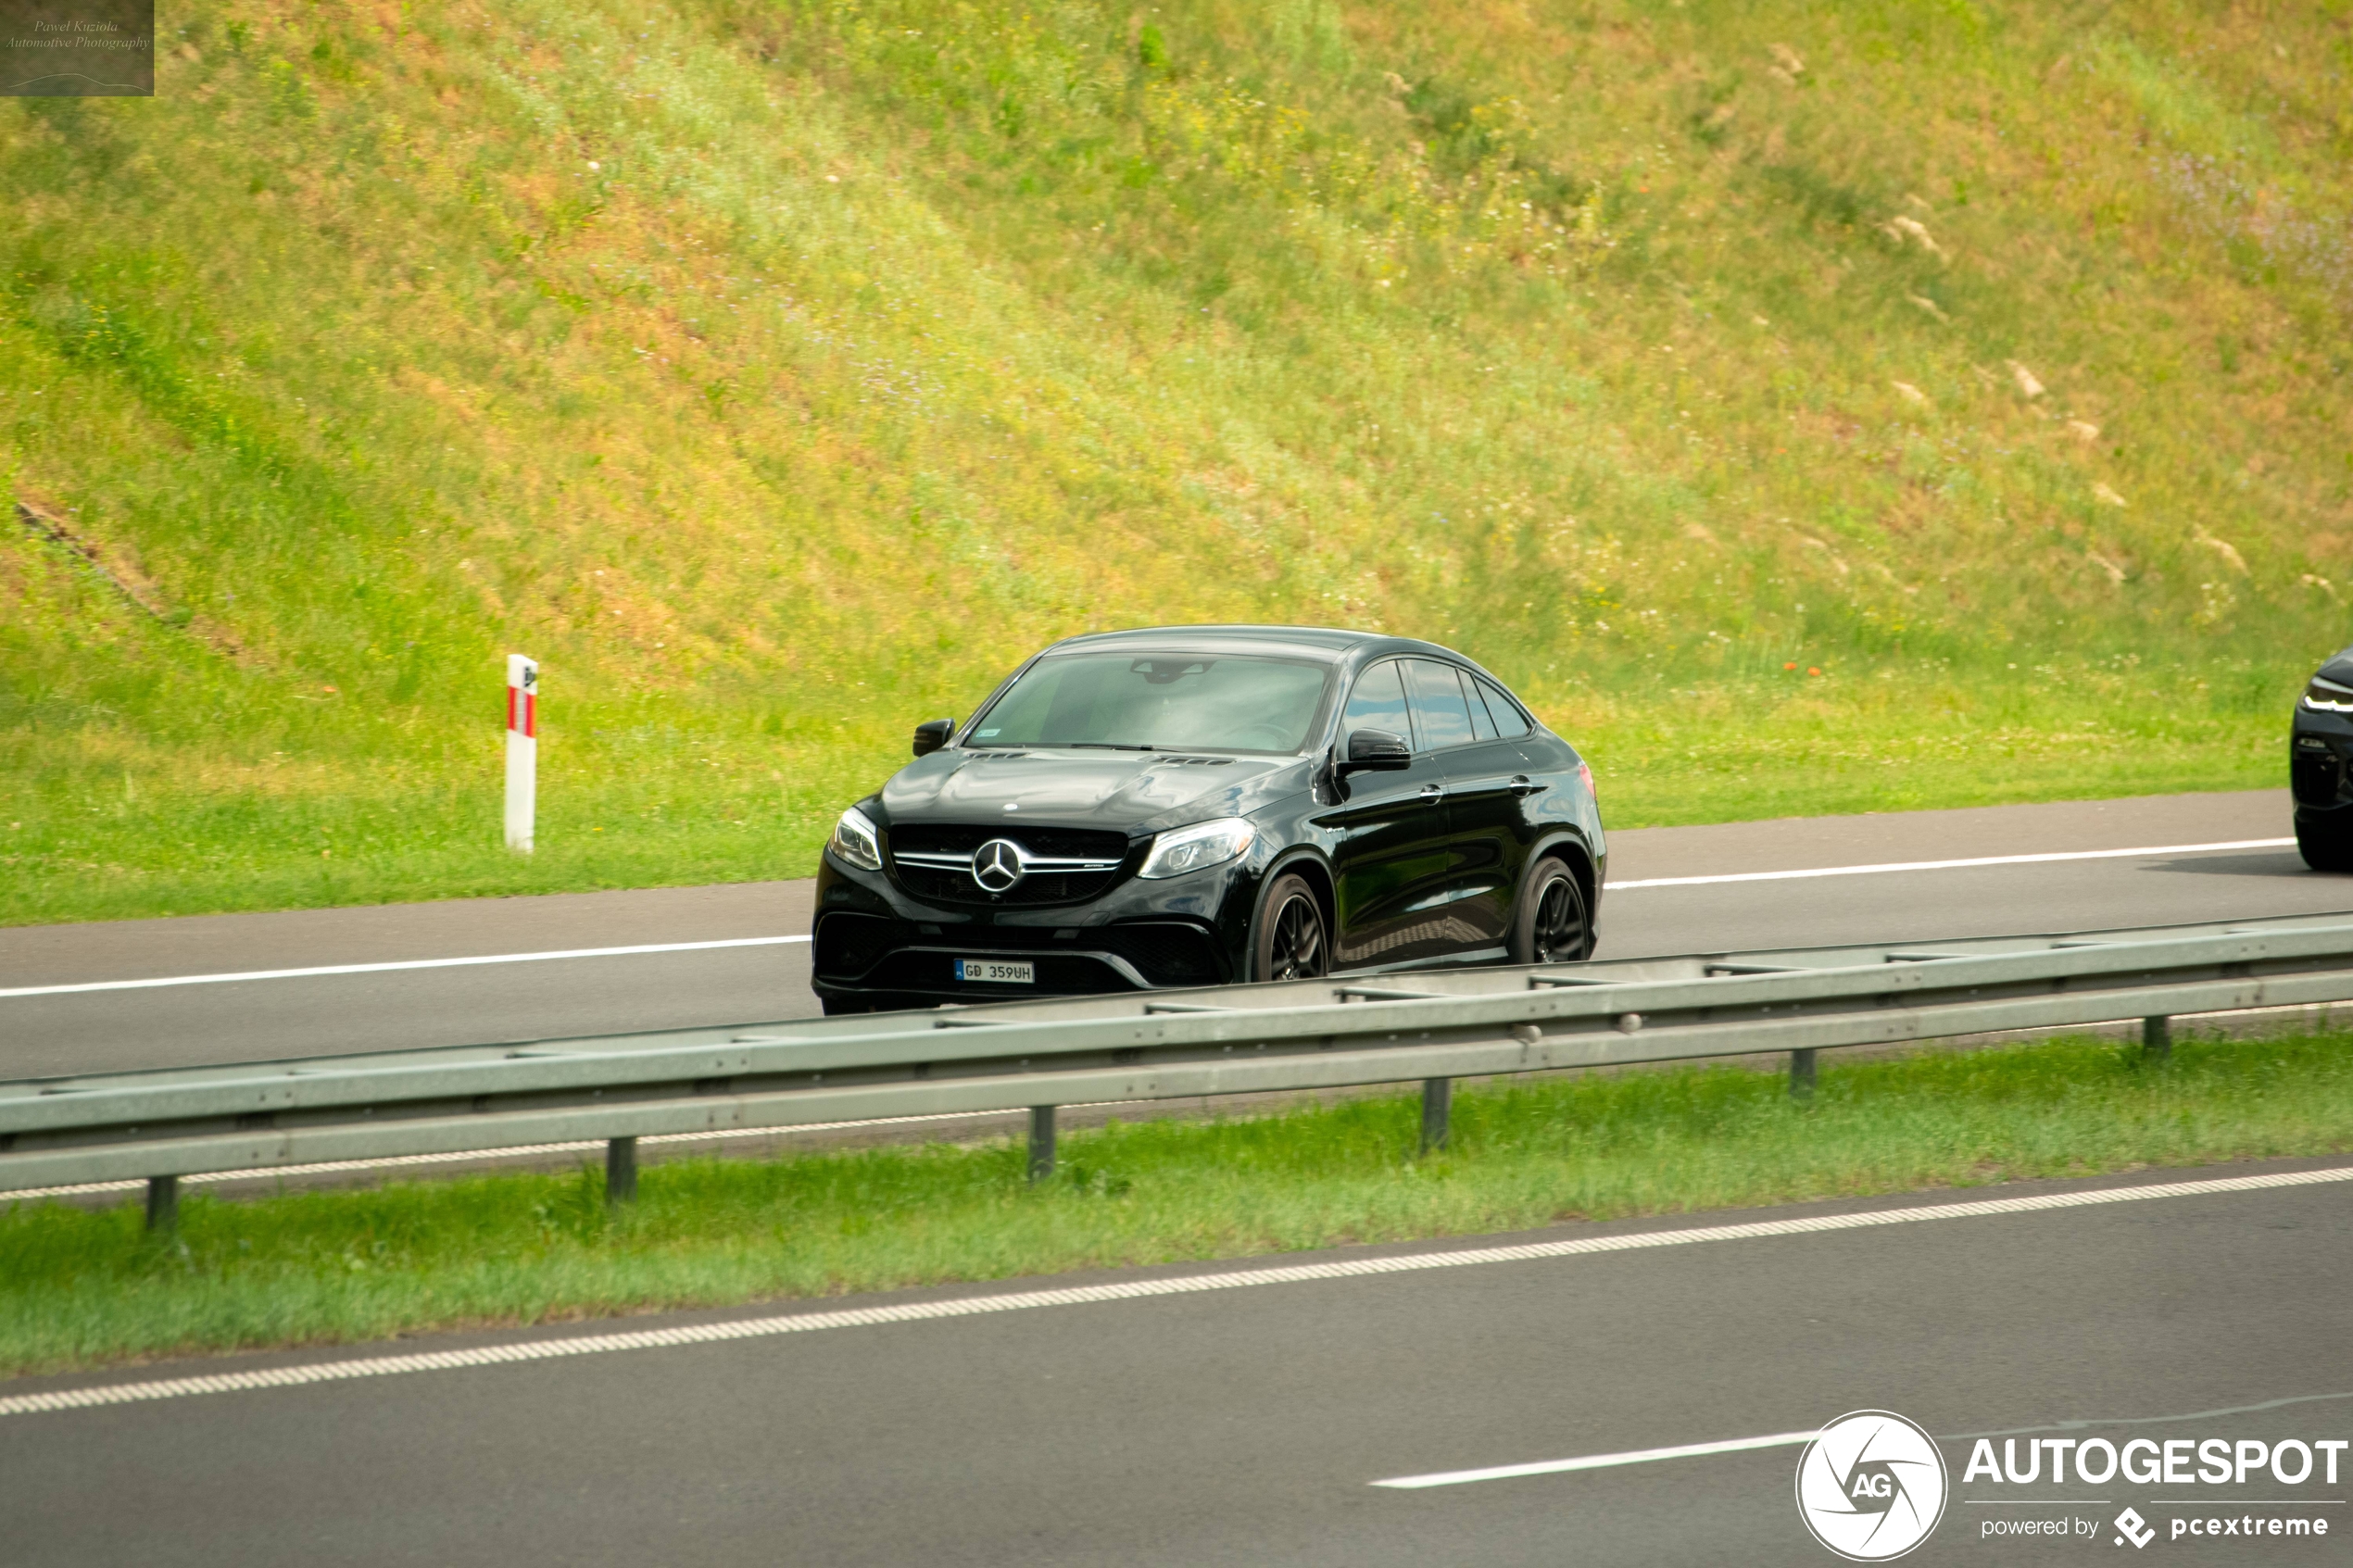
(1482,726)
(1509,722)
(1378,703)
(1438,709)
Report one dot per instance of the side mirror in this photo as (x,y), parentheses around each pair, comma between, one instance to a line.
(932,734)
(1377,751)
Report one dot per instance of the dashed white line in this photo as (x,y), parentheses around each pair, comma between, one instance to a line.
(1594,1462)
(1125,1290)
(1781,1439)
(405,963)
(1951,865)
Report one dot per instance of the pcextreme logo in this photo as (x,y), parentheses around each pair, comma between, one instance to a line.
(1872,1485)
(2130,1526)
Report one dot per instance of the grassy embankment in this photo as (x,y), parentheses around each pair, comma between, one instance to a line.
(779,374)
(85,1286)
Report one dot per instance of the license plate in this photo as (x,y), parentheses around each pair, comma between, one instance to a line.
(997,972)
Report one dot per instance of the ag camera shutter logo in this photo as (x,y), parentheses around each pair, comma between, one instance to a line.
(1872,1485)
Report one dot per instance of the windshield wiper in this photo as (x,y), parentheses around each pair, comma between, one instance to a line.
(1103,745)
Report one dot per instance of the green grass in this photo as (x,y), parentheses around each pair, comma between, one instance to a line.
(779,372)
(82,1287)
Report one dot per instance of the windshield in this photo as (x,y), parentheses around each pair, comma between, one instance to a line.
(1158,702)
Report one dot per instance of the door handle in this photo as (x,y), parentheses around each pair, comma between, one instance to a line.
(1523,786)
(1433,793)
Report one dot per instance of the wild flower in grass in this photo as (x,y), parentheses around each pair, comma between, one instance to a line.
(2226,205)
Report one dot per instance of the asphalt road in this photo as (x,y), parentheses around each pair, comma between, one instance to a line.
(1245,1426)
(102,1030)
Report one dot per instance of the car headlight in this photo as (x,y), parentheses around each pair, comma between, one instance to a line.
(855,843)
(2328,697)
(1203,844)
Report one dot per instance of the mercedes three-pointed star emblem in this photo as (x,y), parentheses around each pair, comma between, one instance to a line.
(997,865)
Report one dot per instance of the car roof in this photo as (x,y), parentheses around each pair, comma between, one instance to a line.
(1327,644)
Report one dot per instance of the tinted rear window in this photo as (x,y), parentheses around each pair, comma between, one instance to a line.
(1510,723)
(1481,724)
(1438,710)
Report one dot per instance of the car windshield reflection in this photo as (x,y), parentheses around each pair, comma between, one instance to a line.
(1158,702)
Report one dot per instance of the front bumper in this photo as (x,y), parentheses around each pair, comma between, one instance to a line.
(2320,768)
(875,942)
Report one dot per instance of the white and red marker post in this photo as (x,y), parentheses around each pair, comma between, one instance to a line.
(522,750)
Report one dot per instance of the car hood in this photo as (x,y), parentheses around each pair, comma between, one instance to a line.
(2339,668)
(1134,792)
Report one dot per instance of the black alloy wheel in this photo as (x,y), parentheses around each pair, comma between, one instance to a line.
(1290,933)
(1551,926)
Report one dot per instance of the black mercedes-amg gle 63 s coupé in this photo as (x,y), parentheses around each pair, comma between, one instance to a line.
(1196,805)
(2320,747)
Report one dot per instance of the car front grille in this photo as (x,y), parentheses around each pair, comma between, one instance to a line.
(1066,865)
(2315,777)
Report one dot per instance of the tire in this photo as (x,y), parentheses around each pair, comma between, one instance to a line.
(1292,943)
(2324,850)
(1551,924)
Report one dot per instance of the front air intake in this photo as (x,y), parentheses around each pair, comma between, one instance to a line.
(2315,778)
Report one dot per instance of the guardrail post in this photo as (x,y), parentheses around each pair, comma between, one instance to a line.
(163,1202)
(1801,1073)
(1041,1141)
(1438,1103)
(2156,1038)
(621,1171)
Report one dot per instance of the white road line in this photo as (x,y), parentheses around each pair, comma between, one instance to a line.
(1781,1439)
(1948,865)
(1595,1462)
(1124,1290)
(777,941)
(405,963)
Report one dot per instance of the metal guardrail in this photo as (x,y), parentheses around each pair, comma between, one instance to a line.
(1431,1025)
